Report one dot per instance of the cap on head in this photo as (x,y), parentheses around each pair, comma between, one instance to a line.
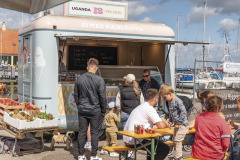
(130,78)
(111,105)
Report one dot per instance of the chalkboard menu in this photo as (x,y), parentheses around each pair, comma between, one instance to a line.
(229,97)
(79,55)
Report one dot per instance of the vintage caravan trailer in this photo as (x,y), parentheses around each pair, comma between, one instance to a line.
(121,47)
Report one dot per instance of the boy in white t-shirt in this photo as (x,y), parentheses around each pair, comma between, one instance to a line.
(147,116)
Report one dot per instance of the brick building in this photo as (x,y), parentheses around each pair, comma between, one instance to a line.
(8,46)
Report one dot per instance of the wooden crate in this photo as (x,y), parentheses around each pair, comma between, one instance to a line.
(37,132)
(7,107)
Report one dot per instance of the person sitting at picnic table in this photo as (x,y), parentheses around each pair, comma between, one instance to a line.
(210,127)
(146,115)
(128,97)
(198,106)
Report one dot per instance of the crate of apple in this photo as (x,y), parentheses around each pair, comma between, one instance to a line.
(29,106)
(8,104)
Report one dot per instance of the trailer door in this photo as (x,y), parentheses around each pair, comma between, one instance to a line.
(25,69)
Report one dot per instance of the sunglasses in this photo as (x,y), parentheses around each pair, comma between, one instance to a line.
(146,76)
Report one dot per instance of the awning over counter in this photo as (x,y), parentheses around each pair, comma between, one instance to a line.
(128,39)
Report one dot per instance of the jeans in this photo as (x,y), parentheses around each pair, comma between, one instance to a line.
(124,118)
(95,121)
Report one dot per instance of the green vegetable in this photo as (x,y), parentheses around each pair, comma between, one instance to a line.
(10,114)
(43,115)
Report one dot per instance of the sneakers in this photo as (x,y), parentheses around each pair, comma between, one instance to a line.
(130,154)
(114,154)
(96,158)
(88,145)
(103,152)
(82,158)
(174,158)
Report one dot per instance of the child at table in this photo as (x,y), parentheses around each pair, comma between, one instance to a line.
(230,121)
(177,117)
(110,122)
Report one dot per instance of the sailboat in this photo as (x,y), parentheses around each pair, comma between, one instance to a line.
(205,79)
(232,80)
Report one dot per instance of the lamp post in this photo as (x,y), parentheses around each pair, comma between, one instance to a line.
(3,29)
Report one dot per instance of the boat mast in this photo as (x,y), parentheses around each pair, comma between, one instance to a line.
(238,38)
(203,55)
(224,52)
(177,39)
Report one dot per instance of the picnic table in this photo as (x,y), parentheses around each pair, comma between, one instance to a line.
(159,133)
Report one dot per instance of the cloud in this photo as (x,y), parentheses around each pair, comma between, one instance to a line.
(148,20)
(228,25)
(223,6)
(14,19)
(196,14)
(136,9)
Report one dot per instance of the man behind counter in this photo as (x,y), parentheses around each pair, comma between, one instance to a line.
(148,82)
(61,65)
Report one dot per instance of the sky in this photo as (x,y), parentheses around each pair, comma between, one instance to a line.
(221,16)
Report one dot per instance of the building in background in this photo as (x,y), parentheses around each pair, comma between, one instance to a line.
(8,46)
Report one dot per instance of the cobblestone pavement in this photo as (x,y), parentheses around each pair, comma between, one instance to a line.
(60,152)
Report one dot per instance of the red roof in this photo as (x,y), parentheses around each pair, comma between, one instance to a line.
(9,39)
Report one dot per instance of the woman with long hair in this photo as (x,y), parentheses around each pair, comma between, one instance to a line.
(210,127)
(129,97)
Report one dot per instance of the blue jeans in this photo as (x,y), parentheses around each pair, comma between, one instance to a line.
(124,118)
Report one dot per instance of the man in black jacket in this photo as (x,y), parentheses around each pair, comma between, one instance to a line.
(90,97)
(148,82)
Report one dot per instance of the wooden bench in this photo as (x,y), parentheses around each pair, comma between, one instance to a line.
(120,150)
(171,143)
(225,157)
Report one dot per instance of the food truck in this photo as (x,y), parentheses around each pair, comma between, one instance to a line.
(121,46)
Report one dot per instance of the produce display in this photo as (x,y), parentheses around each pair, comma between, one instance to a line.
(46,116)
(26,116)
(7,105)
(9,102)
(28,106)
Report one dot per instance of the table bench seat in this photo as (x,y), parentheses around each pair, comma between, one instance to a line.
(171,143)
(118,149)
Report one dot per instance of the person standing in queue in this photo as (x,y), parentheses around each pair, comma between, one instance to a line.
(90,97)
(61,65)
(129,97)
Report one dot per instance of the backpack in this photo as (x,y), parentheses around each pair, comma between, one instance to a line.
(186,102)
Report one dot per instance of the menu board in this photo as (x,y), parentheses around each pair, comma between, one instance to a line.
(229,97)
(79,55)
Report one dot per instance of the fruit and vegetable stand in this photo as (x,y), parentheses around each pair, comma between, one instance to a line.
(20,119)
